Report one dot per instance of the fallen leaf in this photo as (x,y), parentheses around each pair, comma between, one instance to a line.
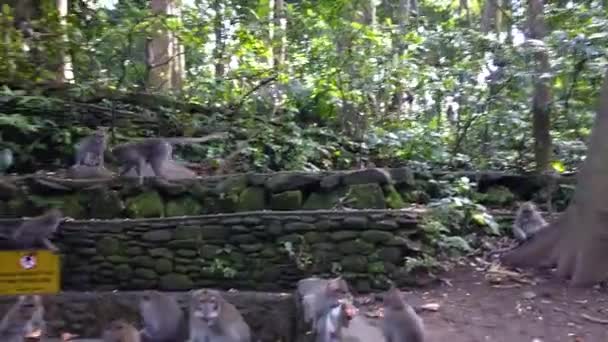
(430,306)
(594,319)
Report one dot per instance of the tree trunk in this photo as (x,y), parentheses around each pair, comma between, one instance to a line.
(218,28)
(541,121)
(65,71)
(165,58)
(488,18)
(577,243)
(279,43)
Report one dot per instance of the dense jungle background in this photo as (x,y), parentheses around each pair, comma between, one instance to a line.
(307,85)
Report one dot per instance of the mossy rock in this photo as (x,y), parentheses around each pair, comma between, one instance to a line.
(393,198)
(321,200)
(183,206)
(252,198)
(71,205)
(288,200)
(231,185)
(366,196)
(104,203)
(147,204)
(498,196)
(163,266)
(175,282)
(108,246)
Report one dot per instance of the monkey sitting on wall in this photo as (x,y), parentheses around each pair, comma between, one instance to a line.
(214,319)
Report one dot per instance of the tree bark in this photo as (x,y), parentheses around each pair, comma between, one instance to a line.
(488,18)
(65,71)
(577,243)
(218,28)
(541,121)
(165,58)
(280,38)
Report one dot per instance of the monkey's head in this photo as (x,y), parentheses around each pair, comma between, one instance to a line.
(28,305)
(115,330)
(53,217)
(527,208)
(393,300)
(337,288)
(206,305)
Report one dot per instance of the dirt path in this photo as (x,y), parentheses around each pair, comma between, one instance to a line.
(472,310)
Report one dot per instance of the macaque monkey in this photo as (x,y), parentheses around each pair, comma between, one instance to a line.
(154,151)
(24,319)
(36,231)
(90,150)
(214,319)
(329,328)
(334,293)
(400,323)
(528,222)
(162,318)
(121,331)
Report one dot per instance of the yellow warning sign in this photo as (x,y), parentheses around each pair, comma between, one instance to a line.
(29,272)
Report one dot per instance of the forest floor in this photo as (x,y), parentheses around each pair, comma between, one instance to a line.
(472,306)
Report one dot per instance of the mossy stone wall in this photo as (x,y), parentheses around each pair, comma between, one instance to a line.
(254,250)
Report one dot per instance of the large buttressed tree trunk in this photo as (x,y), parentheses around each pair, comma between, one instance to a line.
(577,243)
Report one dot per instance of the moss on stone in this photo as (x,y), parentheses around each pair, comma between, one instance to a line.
(321,200)
(366,196)
(498,195)
(175,282)
(252,198)
(105,204)
(393,198)
(163,266)
(144,273)
(108,246)
(183,206)
(288,200)
(147,204)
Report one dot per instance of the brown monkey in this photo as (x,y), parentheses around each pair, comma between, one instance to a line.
(90,150)
(36,231)
(154,151)
(162,318)
(121,331)
(400,323)
(24,318)
(528,222)
(214,319)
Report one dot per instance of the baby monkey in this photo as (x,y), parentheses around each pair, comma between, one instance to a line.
(90,150)
(36,232)
(400,323)
(214,319)
(156,152)
(121,331)
(528,222)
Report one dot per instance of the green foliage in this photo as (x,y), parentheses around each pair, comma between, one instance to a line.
(339,98)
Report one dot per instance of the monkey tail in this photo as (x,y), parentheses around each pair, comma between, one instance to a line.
(182,140)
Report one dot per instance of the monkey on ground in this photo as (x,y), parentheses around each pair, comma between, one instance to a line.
(35,232)
(90,150)
(163,318)
(121,331)
(154,151)
(214,319)
(400,323)
(24,318)
(528,222)
(329,328)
